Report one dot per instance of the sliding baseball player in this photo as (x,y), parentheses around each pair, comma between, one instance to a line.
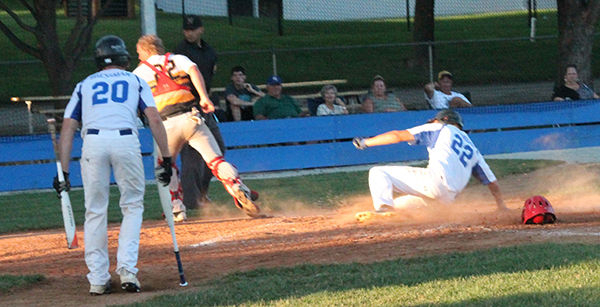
(452,159)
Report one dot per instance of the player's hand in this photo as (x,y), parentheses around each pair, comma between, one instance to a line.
(359,143)
(163,171)
(62,186)
(207,106)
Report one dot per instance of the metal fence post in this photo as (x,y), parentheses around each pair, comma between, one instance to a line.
(430,50)
(274,61)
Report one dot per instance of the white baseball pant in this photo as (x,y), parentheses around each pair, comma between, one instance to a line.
(189,127)
(99,152)
(417,183)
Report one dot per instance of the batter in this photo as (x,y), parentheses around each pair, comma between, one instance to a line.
(106,104)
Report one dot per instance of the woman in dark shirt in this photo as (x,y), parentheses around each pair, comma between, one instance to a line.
(573,89)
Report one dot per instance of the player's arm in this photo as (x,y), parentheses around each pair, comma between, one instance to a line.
(69,126)
(495,190)
(198,81)
(391,137)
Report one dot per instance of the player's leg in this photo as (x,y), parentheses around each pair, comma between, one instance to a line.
(128,168)
(192,169)
(205,172)
(384,180)
(175,127)
(95,174)
(204,142)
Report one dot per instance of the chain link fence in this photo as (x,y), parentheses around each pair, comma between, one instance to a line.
(500,51)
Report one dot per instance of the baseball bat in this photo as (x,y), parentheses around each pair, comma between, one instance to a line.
(65,201)
(165,202)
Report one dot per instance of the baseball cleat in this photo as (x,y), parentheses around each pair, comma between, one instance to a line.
(365,216)
(243,200)
(179,216)
(101,289)
(129,281)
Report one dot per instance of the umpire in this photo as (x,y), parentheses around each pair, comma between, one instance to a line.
(195,174)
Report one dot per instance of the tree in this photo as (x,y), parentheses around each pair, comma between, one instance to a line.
(58,62)
(423,29)
(577,21)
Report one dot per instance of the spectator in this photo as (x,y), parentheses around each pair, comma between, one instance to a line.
(331,105)
(378,100)
(241,96)
(573,89)
(275,104)
(440,95)
(195,174)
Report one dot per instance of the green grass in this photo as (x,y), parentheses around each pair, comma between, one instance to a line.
(41,210)
(11,282)
(472,63)
(529,275)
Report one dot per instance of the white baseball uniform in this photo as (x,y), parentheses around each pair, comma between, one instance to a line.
(440,100)
(107,104)
(452,160)
(183,123)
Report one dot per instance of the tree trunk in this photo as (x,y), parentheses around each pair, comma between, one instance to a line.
(423,30)
(576,22)
(59,73)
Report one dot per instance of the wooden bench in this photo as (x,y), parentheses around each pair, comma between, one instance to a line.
(220,91)
(325,141)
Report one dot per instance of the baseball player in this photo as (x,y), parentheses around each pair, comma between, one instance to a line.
(452,159)
(106,104)
(176,106)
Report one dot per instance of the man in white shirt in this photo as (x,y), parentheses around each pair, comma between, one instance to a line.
(452,159)
(440,95)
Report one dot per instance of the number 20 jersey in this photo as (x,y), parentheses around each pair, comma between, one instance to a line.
(109,99)
(452,155)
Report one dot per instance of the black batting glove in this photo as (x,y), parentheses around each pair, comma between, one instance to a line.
(359,143)
(62,186)
(163,171)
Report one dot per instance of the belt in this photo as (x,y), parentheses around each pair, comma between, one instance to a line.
(121,132)
(164,117)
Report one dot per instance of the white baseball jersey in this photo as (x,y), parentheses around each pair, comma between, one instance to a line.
(452,155)
(440,100)
(109,100)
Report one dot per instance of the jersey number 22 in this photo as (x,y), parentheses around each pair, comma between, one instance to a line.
(462,149)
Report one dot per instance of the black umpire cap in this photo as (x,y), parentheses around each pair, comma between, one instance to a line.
(191,22)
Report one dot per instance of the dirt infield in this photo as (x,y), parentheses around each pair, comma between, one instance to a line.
(217,246)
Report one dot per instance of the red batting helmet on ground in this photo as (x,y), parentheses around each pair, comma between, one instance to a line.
(537,210)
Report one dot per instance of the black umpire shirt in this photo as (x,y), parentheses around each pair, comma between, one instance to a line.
(204,56)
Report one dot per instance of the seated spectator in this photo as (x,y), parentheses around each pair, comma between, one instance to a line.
(440,95)
(378,100)
(241,96)
(276,105)
(331,105)
(573,89)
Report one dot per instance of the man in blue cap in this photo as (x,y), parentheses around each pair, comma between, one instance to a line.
(276,105)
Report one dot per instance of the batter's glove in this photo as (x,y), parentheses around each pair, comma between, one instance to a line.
(359,143)
(62,186)
(164,171)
